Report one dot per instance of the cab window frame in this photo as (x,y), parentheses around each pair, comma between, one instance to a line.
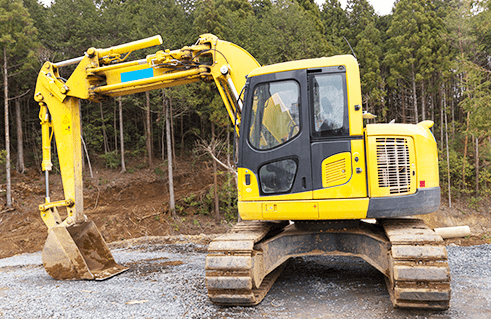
(252,115)
(343,131)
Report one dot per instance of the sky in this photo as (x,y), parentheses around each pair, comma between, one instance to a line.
(382,7)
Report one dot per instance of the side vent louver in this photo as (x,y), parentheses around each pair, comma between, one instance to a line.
(393,164)
(336,169)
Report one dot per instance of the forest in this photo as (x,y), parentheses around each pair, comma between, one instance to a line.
(427,60)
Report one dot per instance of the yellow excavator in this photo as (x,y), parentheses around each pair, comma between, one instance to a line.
(312,178)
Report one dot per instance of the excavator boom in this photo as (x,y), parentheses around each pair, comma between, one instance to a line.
(75,249)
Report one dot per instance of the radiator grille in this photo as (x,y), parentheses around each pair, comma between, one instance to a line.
(393,164)
(335,172)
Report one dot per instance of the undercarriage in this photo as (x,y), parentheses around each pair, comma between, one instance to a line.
(243,264)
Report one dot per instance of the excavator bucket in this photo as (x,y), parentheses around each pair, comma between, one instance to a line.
(78,252)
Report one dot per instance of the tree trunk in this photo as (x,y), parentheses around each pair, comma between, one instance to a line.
(20,147)
(88,158)
(104,135)
(441,128)
(215,179)
(172,201)
(423,102)
(477,166)
(228,144)
(163,125)
(403,93)
(115,131)
(448,155)
(229,164)
(7,137)
(82,132)
(163,136)
(148,131)
(201,121)
(182,134)
(453,118)
(415,97)
(432,104)
(466,142)
(121,136)
(172,130)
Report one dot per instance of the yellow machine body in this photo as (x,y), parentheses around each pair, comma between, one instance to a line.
(304,153)
(376,165)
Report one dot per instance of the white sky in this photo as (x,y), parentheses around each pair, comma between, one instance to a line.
(382,7)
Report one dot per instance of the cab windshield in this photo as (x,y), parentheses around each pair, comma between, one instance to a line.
(275,114)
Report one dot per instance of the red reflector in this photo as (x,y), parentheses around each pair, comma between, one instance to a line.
(421,183)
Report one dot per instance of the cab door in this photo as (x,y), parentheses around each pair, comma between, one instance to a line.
(337,150)
(275,141)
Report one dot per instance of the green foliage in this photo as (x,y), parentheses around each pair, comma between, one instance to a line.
(72,27)
(202,204)
(18,46)
(111,159)
(335,21)
(158,171)
(191,200)
(412,61)
(228,200)
(17,30)
(3,154)
(286,33)
(175,226)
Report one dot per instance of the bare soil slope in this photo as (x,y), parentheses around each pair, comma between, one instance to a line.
(123,206)
(132,205)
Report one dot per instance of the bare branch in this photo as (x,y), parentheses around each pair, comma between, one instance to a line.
(16,73)
(213,148)
(19,96)
(14,66)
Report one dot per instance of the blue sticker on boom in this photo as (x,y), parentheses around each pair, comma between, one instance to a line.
(136,75)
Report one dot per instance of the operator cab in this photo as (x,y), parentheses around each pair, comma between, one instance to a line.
(300,128)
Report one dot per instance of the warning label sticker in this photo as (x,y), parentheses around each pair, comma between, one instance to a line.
(66,124)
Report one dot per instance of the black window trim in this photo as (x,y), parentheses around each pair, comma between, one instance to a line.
(258,169)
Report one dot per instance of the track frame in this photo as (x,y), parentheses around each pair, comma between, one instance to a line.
(243,264)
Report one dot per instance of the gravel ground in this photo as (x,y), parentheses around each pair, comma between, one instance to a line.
(167,281)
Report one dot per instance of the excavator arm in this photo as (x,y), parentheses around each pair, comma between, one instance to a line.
(103,73)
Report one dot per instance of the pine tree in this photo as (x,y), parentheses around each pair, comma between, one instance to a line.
(286,33)
(17,42)
(411,48)
(369,53)
(335,21)
(312,9)
(475,85)
(360,14)
(73,27)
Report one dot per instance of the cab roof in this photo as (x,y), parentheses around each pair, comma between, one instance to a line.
(345,60)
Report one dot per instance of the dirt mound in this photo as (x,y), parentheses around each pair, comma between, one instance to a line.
(478,218)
